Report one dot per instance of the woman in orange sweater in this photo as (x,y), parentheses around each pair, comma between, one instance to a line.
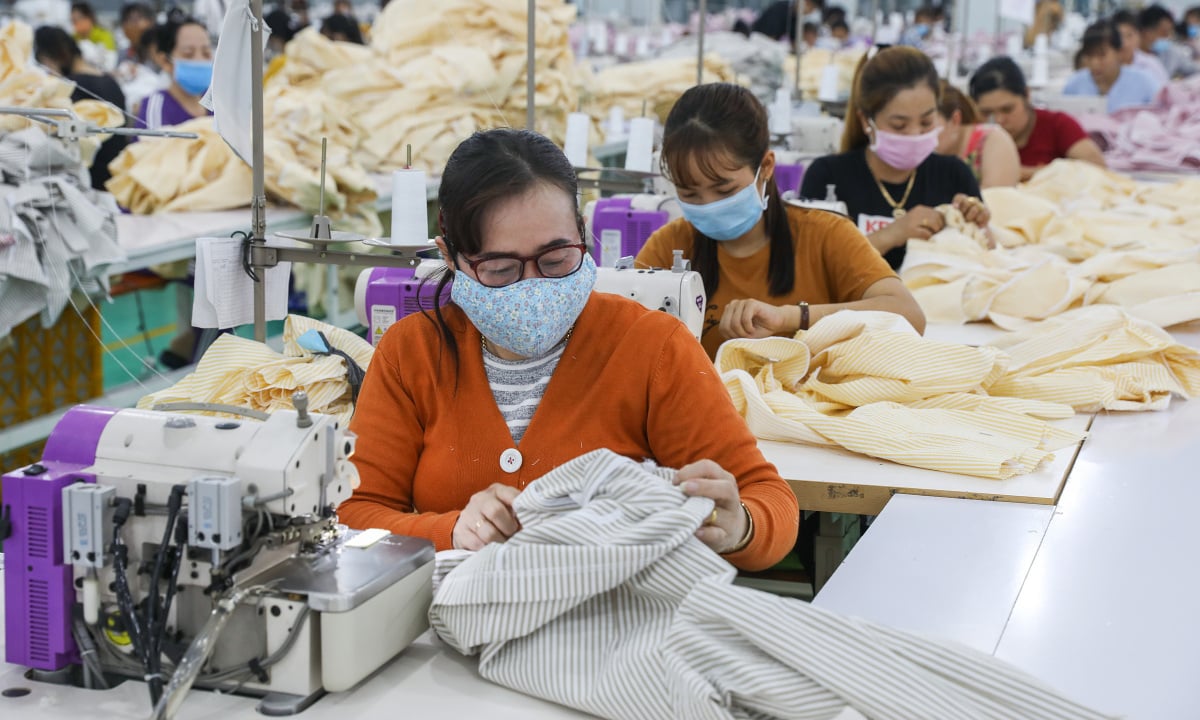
(527,369)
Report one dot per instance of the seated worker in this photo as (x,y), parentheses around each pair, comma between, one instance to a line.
(768,268)
(526,368)
(1157,29)
(341,28)
(985,148)
(1131,52)
(924,21)
(840,32)
(55,49)
(83,22)
(1103,74)
(778,20)
(185,54)
(887,172)
(1042,136)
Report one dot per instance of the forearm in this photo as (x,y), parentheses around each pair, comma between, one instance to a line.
(775,513)
(886,239)
(363,513)
(905,307)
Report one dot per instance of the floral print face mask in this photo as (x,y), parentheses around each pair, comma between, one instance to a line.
(529,317)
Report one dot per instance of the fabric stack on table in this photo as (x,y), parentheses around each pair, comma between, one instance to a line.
(658,83)
(1163,138)
(57,235)
(865,381)
(812,67)
(606,602)
(244,373)
(1075,235)
(757,60)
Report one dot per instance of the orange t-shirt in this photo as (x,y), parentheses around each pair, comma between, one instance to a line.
(630,379)
(835,263)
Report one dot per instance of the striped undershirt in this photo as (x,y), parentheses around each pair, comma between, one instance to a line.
(518,386)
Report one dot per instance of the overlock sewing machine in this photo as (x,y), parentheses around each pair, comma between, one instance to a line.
(181,549)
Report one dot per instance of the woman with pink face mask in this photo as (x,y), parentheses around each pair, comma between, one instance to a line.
(887,172)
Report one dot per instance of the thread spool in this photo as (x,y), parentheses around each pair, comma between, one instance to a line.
(576,145)
(640,144)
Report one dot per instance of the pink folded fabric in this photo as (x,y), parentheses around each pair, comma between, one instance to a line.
(1165,137)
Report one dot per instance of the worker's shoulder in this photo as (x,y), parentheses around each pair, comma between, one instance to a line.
(676,234)
(621,322)
(818,224)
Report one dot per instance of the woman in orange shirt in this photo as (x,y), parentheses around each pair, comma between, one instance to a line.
(768,268)
(528,368)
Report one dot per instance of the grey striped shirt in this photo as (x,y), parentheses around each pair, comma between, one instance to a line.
(518,386)
(606,602)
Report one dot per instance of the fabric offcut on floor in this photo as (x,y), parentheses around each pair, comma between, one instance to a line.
(244,373)
(57,235)
(606,602)
(1075,235)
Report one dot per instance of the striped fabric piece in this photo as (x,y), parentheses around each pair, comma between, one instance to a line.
(867,382)
(241,372)
(607,603)
(518,386)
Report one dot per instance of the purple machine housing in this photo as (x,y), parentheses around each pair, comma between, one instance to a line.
(619,230)
(38,586)
(395,293)
(788,177)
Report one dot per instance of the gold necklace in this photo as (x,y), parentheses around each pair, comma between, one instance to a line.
(897,207)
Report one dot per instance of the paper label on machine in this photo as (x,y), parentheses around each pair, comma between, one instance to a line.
(871,223)
(382,318)
(610,247)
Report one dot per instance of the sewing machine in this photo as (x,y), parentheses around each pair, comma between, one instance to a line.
(184,549)
(619,226)
(384,295)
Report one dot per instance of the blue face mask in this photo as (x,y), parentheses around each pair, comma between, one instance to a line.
(921,30)
(194,76)
(728,218)
(1161,46)
(530,316)
(1193,31)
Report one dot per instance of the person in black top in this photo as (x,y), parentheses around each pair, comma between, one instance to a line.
(58,51)
(887,173)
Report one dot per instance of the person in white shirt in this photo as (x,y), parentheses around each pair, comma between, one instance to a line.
(1131,53)
(1103,74)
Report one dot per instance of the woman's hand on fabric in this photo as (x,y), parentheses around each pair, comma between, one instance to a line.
(487,518)
(973,209)
(920,223)
(748,318)
(723,530)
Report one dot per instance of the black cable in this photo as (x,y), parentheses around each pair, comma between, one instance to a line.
(177,551)
(154,625)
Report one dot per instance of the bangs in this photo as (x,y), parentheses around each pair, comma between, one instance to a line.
(694,156)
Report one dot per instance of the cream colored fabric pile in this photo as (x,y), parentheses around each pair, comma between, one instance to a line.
(241,372)
(174,174)
(1075,235)
(657,82)
(23,84)
(812,66)
(865,381)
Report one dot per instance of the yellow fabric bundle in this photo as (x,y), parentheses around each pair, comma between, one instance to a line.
(812,66)
(865,381)
(244,373)
(1075,235)
(657,82)
(1098,358)
(174,174)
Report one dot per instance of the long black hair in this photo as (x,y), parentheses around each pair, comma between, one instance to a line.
(718,120)
(486,169)
(999,73)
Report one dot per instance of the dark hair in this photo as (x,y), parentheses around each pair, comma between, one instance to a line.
(1123,17)
(141,10)
(165,36)
(925,12)
(84,9)
(722,119)
(832,16)
(280,23)
(1150,18)
(839,25)
(878,80)
(809,27)
(1098,35)
(340,24)
(1192,12)
(999,73)
(953,100)
(56,46)
(484,170)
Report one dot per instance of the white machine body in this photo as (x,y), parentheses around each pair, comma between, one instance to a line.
(350,608)
(678,291)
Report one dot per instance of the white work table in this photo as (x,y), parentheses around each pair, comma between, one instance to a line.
(426,680)
(1096,597)
(836,480)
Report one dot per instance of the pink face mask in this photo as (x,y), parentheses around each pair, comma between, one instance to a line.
(904,152)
